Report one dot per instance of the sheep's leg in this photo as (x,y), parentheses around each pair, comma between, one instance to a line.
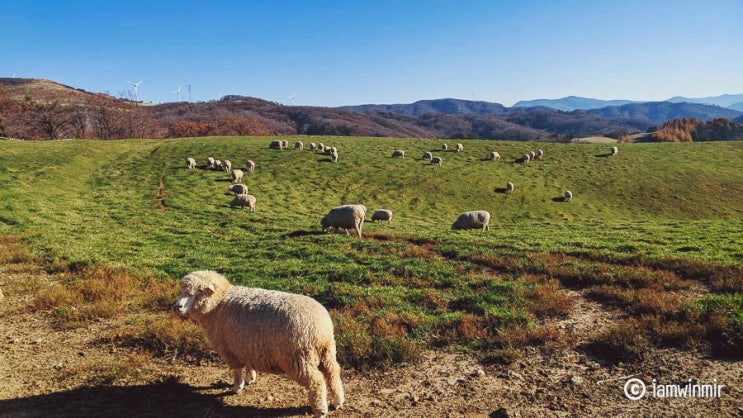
(238,382)
(332,372)
(314,381)
(253,377)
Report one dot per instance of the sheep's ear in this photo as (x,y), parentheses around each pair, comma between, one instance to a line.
(210,290)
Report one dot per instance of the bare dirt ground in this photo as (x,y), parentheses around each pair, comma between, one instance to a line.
(46,372)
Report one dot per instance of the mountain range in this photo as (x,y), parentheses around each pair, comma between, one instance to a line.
(542,119)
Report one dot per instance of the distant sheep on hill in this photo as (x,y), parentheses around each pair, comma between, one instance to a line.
(210,162)
(238,189)
(284,144)
(299,145)
(476,219)
(460,147)
(494,156)
(312,146)
(532,155)
(444,147)
(427,156)
(526,158)
(237,175)
(437,161)
(346,216)
(509,187)
(382,215)
(540,154)
(614,151)
(242,200)
(334,155)
(398,153)
(321,147)
(276,144)
(568,196)
(190,163)
(227,165)
(268,331)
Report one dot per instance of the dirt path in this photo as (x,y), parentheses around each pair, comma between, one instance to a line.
(44,372)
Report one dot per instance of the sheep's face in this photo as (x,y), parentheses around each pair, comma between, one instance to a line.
(193,296)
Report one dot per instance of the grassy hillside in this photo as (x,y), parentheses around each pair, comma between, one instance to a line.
(134,204)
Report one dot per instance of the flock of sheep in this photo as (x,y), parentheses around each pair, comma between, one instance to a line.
(276,332)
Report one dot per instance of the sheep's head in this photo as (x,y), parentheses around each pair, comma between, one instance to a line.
(201,291)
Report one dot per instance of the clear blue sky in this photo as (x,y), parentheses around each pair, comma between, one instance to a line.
(333,53)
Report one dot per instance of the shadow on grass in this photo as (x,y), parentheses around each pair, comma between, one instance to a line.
(295,234)
(603,155)
(168,398)
(559,199)
(500,190)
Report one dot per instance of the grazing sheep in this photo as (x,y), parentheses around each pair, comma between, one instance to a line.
(276,144)
(540,154)
(250,165)
(532,155)
(238,189)
(312,146)
(509,187)
(614,151)
(321,147)
(298,145)
(444,147)
(460,147)
(242,200)
(334,155)
(346,216)
(568,196)
(382,215)
(475,219)
(227,165)
(437,161)
(526,158)
(237,175)
(190,163)
(284,144)
(218,165)
(268,331)
(398,153)
(210,162)
(427,156)
(494,156)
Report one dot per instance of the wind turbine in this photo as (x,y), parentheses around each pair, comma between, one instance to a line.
(291,98)
(178,92)
(134,87)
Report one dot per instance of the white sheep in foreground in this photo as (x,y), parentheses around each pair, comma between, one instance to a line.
(237,175)
(427,156)
(250,165)
(475,219)
(398,153)
(238,189)
(494,156)
(509,187)
(209,162)
(437,161)
(190,163)
(568,196)
(242,200)
(299,145)
(460,147)
(614,151)
(382,215)
(346,216)
(227,165)
(268,331)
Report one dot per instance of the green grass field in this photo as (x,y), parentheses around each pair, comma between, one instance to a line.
(674,208)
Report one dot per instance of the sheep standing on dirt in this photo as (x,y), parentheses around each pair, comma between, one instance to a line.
(209,162)
(238,189)
(427,156)
(382,215)
(190,163)
(475,219)
(494,156)
(568,196)
(460,147)
(242,200)
(398,153)
(268,331)
(346,216)
(614,151)
(509,187)
(237,175)
(250,165)
(227,165)
(437,161)
(299,145)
